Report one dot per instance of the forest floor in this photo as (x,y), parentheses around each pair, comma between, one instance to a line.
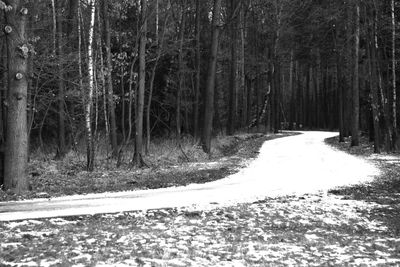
(354,225)
(169,167)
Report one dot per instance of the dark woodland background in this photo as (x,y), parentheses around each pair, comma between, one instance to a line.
(75,74)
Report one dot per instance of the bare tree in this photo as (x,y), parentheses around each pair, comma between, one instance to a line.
(108,73)
(234,67)
(62,147)
(196,106)
(209,92)
(355,141)
(90,91)
(16,146)
(394,77)
(181,74)
(137,156)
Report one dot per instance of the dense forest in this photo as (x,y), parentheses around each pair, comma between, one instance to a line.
(77,73)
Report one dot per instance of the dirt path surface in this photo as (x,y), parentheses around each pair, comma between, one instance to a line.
(288,166)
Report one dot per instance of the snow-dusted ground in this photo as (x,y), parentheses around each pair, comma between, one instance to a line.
(285,166)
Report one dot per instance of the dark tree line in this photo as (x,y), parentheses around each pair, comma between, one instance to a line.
(75,71)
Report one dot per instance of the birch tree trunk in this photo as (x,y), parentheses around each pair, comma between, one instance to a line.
(209,92)
(16,146)
(89,98)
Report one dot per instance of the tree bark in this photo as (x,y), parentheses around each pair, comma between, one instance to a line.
(110,90)
(198,72)
(209,92)
(104,91)
(180,74)
(138,157)
(276,68)
(233,71)
(355,141)
(394,78)
(62,147)
(318,111)
(243,67)
(372,69)
(90,92)
(16,146)
(348,59)
(291,90)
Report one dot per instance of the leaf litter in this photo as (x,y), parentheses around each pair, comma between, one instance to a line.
(306,230)
(354,226)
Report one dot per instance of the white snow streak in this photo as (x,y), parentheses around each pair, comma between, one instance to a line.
(285,166)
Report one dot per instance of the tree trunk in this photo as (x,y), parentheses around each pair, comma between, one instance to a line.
(103,87)
(16,146)
(233,71)
(71,21)
(62,148)
(3,113)
(198,72)
(110,90)
(181,75)
(374,86)
(138,157)
(318,110)
(209,92)
(394,88)
(291,90)
(249,102)
(243,67)
(89,98)
(276,68)
(348,59)
(356,91)
(157,19)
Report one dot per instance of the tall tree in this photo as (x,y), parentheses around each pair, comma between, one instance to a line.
(233,70)
(372,71)
(356,93)
(198,71)
(394,77)
(180,72)
(90,91)
(62,147)
(209,91)
(109,68)
(16,146)
(137,157)
(243,66)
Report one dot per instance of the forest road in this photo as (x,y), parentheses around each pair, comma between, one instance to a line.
(293,165)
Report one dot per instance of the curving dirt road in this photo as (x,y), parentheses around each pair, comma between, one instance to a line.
(286,166)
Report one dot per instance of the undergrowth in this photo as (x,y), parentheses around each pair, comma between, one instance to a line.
(169,164)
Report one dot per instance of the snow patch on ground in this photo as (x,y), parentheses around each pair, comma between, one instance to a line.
(292,165)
